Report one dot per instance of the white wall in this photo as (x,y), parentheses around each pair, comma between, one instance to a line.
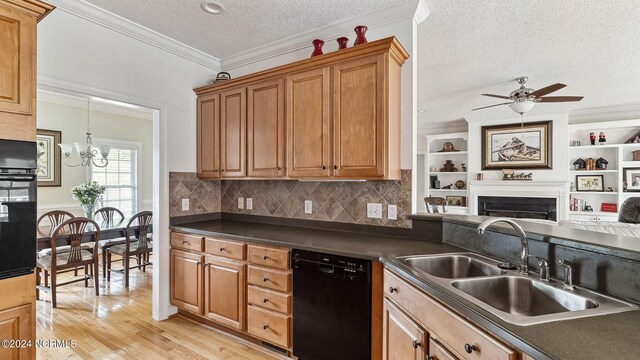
(72,121)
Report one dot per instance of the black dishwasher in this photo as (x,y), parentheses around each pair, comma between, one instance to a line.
(331,306)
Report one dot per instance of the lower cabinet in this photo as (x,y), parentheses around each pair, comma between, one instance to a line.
(186,281)
(403,338)
(224,288)
(15,324)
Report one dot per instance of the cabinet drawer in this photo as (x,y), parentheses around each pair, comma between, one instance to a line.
(270,326)
(268,278)
(186,242)
(268,256)
(269,299)
(438,352)
(443,324)
(224,248)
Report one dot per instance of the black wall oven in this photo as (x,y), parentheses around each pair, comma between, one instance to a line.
(18,186)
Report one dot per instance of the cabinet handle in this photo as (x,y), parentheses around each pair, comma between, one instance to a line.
(431,357)
(416,344)
(335,167)
(222,249)
(392,289)
(265,279)
(265,257)
(278,168)
(215,171)
(324,167)
(265,327)
(469,348)
(221,170)
(265,300)
(184,242)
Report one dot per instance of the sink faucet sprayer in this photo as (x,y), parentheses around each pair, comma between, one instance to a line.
(524,267)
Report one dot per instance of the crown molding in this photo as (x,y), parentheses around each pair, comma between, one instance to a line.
(402,11)
(109,20)
(97,105)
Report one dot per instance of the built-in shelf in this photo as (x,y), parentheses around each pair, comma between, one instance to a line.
(592,171)
(449,172)
(449,153)
(595,192)
(448,190)
(605,146)
(631,164)
(596,213)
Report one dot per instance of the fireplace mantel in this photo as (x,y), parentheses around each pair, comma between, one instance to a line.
(558,190)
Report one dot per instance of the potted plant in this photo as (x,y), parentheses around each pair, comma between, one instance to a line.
(87,194)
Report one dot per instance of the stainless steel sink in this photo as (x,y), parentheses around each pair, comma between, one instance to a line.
(513,297)
(523,296)
(453,266)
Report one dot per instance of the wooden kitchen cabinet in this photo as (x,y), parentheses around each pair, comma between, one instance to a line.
(233,133)
(225,283)
(208,142)
(403,339)
(439,352)
(18,28)
(308,124)
(15,324)
(186,281)
(266,129)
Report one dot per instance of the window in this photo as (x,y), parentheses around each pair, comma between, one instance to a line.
(119,177)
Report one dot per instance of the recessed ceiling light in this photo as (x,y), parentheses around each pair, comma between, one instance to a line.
(212,7)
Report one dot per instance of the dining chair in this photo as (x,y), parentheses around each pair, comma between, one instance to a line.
(76,258)
(55,218)
(432,204)
(108,215)
(137,244)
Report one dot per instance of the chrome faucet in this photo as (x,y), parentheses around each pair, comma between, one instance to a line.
(524,256)
(567,284)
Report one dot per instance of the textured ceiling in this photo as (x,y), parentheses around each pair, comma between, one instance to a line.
(245,25)
(475,46)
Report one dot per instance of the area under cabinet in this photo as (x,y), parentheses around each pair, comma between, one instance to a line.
(416,326)
(244,287)
(332,116)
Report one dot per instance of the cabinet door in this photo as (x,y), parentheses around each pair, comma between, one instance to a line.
(308,121)
(225,292)
(359,117)
(265,129)
(209,136)
(17,51)
(233,131)
(15,324)
(186,281)
(438,352)
(403,339)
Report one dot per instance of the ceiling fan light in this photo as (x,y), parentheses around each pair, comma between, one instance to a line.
(521,107)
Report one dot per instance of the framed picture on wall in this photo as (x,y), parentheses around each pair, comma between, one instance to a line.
(517,146)
(632,178)
(590,182)
(49,157)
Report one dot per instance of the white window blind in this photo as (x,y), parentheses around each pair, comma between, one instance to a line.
(119,177)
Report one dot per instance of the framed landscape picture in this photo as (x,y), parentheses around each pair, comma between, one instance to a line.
(515,146)
(632,178)
(590,182)
(48,157)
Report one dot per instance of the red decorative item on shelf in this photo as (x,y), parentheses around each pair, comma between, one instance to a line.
(609,207)
(360,30)
(317,47)
(342,42)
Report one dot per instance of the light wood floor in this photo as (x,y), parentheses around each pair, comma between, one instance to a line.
(118,325)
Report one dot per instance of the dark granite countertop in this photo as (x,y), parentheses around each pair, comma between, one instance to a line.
(600,337)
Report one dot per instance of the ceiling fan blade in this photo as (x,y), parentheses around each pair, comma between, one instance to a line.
(559,98)
(484,107)
(496,96)
(547,90)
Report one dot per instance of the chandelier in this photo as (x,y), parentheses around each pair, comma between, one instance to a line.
(88,153)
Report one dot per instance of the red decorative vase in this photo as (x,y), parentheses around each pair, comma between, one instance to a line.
(342,42)
(317,47)
(360,30)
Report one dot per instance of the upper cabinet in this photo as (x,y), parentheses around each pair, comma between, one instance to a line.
(335,116)
(18,27)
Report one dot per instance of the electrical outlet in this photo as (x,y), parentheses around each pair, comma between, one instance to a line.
(249,203)
(185,204)
(308,206)
(240,203)
(374,210)
(392,212)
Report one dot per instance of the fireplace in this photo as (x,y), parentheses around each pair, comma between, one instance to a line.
(518,207)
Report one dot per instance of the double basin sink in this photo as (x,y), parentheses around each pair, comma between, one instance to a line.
(517,299)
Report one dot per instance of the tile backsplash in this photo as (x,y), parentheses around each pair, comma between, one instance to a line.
(340,201)
(204,195)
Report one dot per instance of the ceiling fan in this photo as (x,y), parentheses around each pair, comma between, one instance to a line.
(522,99)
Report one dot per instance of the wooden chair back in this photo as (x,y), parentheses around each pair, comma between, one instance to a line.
(140,223)
(73,230)
(432,204)
(55,218)
(109,215)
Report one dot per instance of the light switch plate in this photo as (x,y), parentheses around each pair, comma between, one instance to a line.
(392,212)
(249,203)
(185,204)
(240,203)
(308,206)
(374,210)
